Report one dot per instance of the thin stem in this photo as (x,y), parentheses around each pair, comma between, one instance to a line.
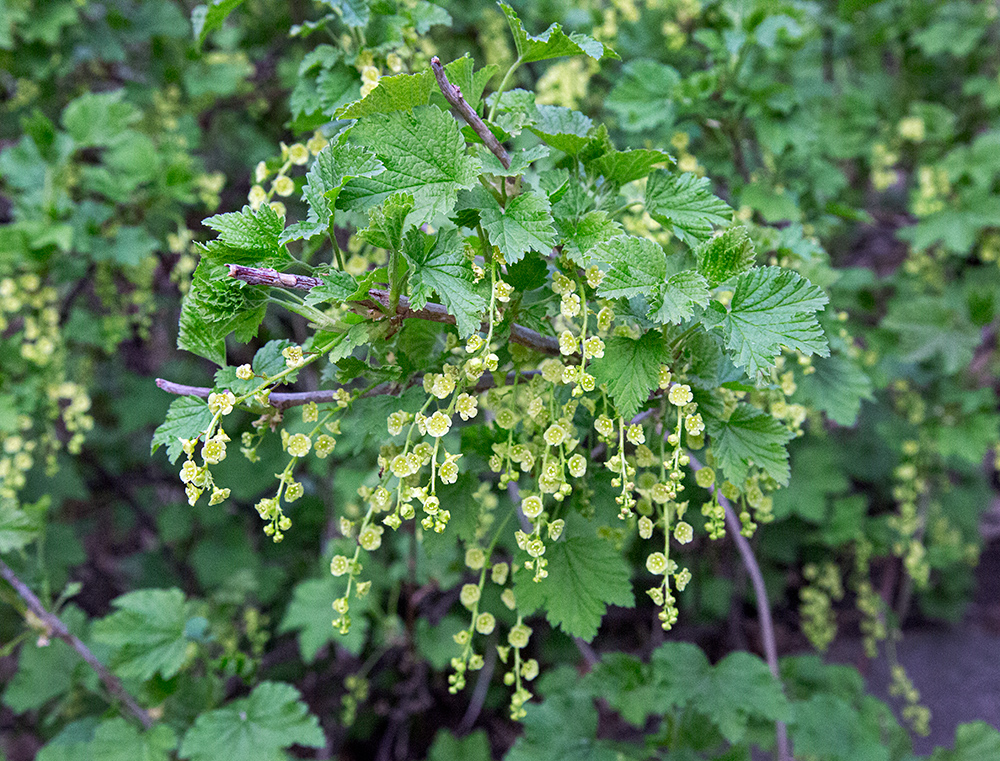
(503,87)
(55,626)
(453,94)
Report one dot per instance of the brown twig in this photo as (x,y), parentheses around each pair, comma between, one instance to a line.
(453,94)
(380,301)
(55,627)
(733,526)
(283,401)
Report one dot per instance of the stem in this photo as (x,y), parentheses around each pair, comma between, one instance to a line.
(55,626)
(453,94)
(503,87)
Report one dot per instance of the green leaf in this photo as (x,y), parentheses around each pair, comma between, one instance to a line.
(580,236)
(260,727)
(552,43)
(387,222)
(207,18)
(354,13)
(399,92)
(439,264)
(837,386)
(309,614)
(928,327)
(424,155)
(524,225)
(187,417)
(99,119)
(147,633)
(750,437)
(256,233)
(586,575)
(44,673)
(475,746)
(973,741)
(630,370)
(423,15)
(337,286)
(461,72)
(562,128)
(563,726)
(829,727)
(17,528)
(643,97)
(726,255)
(773,308)
(117,740)
(215,306)
(686,204)
(741,686)
(620,167)
(334,165)
(639,266)
(676,299)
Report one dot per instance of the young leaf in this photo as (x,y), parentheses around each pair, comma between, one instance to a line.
(741,688)
(17,528)
(117,740)
(644,96)
(585,576)
(462,73)
(399,92)
(187,417)
(524,225)
(562,128)
(307,614)
(630,370)
(207,18)
(147,633)
(620,167)
(439,264)
(637,266)
(552,43)
(773,308)
(45,672)
(248,236)
(337,286)
(580,236)
(424,155)
(750,437)
(726,255)
(387,222)
(675,300)
(686,204)
(836,387)
(354,13)
(260,727)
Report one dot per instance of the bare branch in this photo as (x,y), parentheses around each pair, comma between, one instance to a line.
(55,627)
(453,94)
(379,302)
(733,526)
(297,398)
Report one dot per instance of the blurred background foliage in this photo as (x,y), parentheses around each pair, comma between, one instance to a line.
(866,135)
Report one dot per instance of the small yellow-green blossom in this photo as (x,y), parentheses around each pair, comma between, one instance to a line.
(570,305)
(218,496)
(244,372)
(635,434)
(256,196)
(370,537)
(467,406)
(499,573)
(680,395)
(656,563)
(324,445)
(683,532)
(568,343)
(694,424)
(438,424)
(518,636)
(316,143)
(555,529)
(339,565)
(214,451)
(532,506)
(293,356)
(299,445)
(469,595)
(502,290)
(593,348)
(221,403)
(475,558)
(485,623)
(298,154)
(283,185)
(577,465)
